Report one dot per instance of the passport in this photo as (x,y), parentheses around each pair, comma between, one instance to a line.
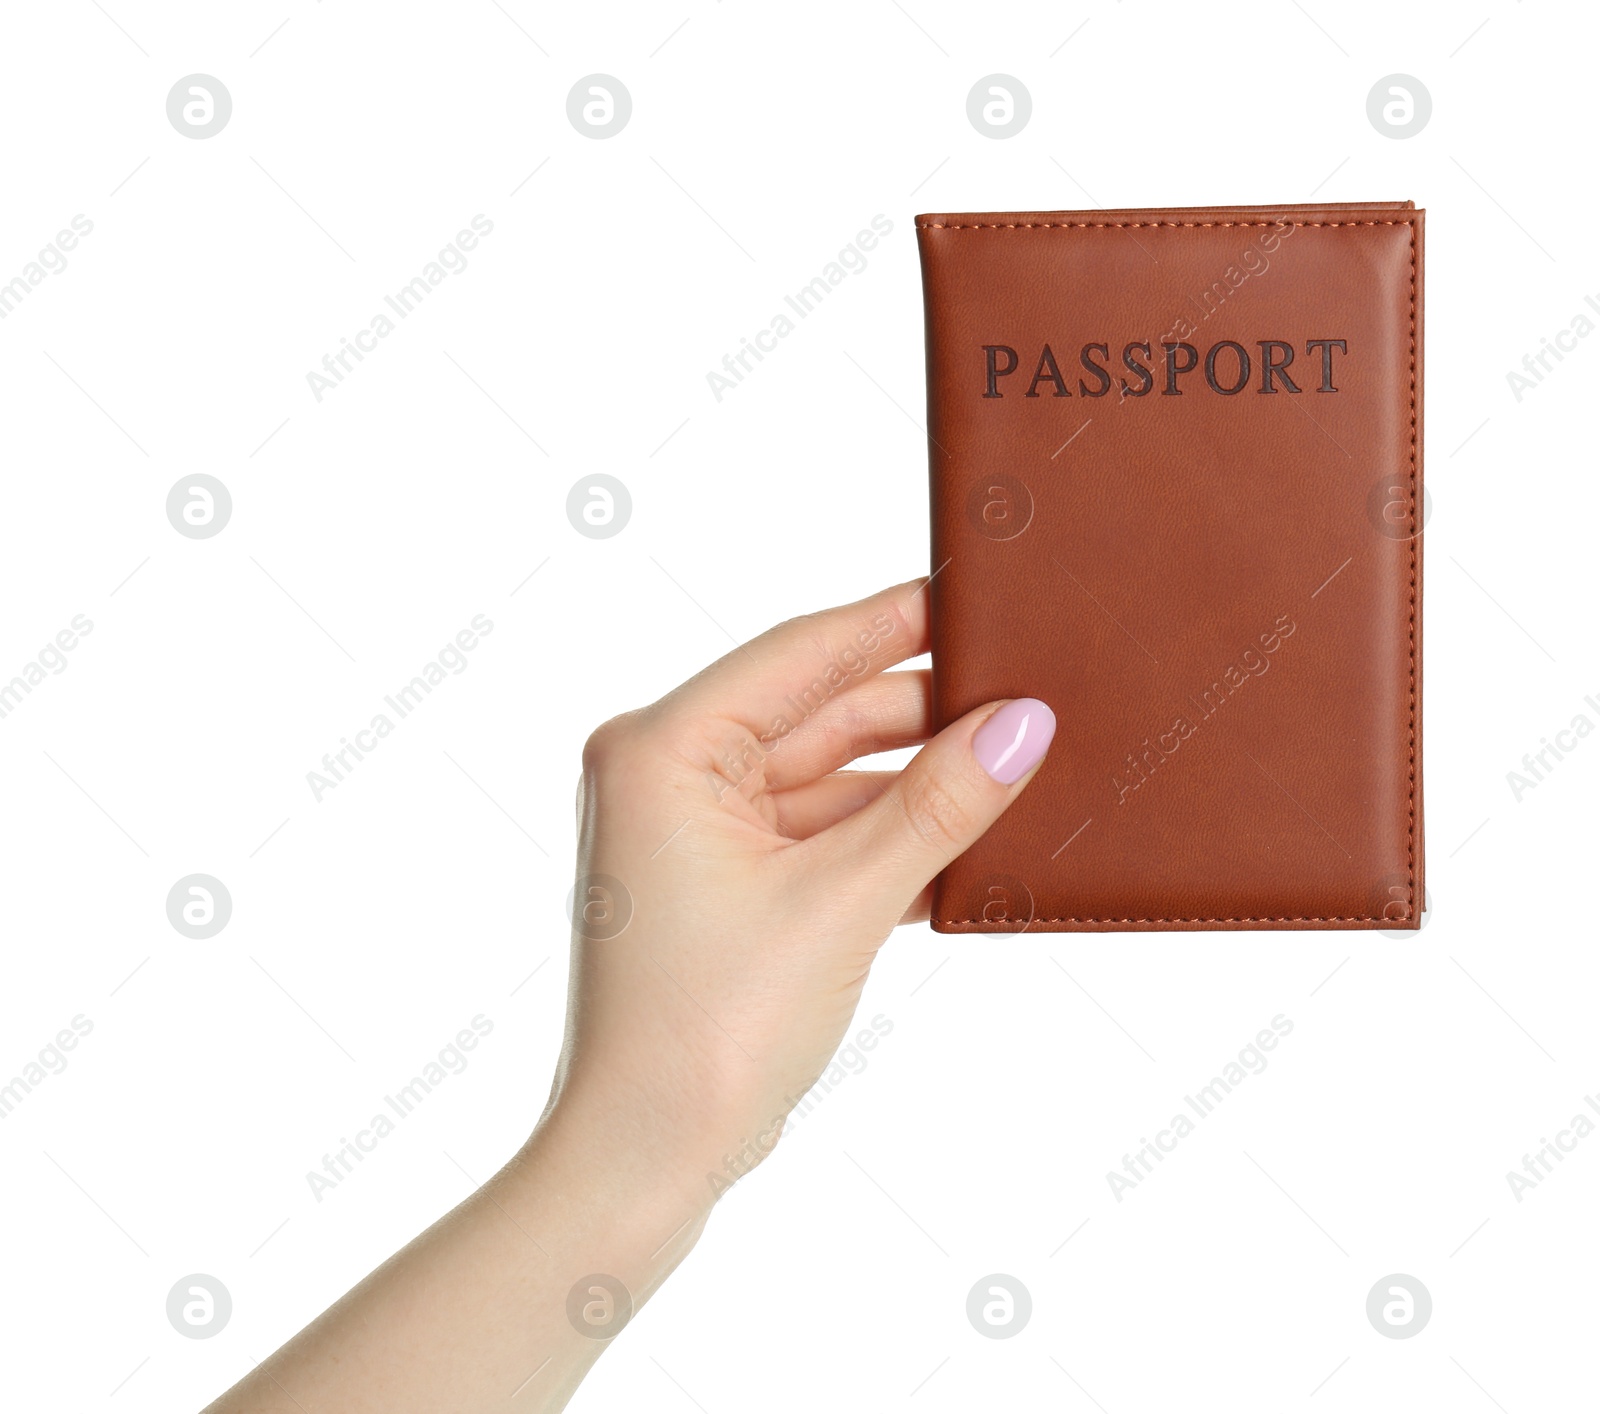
(1175,465)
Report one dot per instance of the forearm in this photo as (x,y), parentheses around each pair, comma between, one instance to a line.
(487,1308)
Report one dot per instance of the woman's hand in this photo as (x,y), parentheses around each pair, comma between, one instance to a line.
(734,886)
(735,883)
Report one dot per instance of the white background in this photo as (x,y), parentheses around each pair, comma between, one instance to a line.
(369,528)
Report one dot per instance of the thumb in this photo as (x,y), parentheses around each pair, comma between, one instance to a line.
(951,792)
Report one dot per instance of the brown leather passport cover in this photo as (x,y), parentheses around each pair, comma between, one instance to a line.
(1176,471)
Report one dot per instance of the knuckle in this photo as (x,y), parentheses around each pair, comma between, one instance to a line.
(799,624)
(862,733)
(938,815)
(849,734)
(611,742)
(899,629)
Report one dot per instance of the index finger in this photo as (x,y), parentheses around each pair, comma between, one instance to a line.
(789,671)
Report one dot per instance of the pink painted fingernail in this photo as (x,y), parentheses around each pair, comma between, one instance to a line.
(1013,741)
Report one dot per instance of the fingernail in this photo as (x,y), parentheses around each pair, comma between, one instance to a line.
(1013,741)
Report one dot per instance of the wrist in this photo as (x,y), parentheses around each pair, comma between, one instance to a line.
(598,1197)
(656,1148)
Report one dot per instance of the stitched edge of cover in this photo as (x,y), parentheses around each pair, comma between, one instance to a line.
(1411,623)
(1119,225)
(1010,922)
